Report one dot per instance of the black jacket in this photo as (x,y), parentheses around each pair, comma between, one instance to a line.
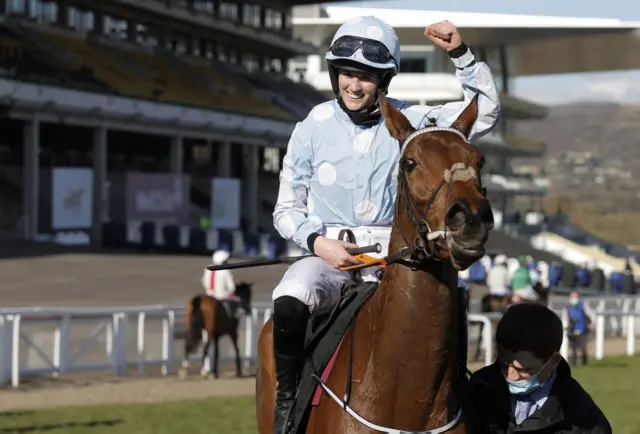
(569,408)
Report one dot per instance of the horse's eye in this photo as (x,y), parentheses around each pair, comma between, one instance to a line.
(408,165)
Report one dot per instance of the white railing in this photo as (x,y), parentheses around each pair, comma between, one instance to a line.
(124,350)
(115,324)
(627,318)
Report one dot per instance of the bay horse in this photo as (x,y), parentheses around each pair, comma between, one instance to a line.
(400,359)
(206,313)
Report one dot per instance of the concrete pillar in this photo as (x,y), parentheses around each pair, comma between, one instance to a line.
(250,196)
(131,31)
(176,159)
(100,192)
(31,178)
(504,67)
(224,160)
(98,23)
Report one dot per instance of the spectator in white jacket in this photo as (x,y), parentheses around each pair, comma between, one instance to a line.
(219,284)
(498,277)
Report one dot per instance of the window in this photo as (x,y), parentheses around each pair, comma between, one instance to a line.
(413,65)
(229,10)
(271,160)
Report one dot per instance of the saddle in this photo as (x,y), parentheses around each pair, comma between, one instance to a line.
(232,308)
(323,339)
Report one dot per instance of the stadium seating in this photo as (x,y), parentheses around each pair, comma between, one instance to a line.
(149,236)
(25,56)
(70,59)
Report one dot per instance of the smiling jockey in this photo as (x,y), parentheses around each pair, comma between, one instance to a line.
(340,171)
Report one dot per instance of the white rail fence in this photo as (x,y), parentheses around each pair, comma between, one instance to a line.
(57,341)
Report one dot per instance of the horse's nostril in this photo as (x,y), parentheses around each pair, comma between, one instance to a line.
(486,213)
(457,215)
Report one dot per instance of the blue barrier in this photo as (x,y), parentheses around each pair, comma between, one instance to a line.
(171,235)
(477,273)
(225,240)
(197,240)
(583,278)
(555,275)
(251,244)
(148,235)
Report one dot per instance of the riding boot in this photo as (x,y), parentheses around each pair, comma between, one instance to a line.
(290,318)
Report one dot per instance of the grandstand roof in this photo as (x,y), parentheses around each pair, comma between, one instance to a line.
(579,43)
(183,21)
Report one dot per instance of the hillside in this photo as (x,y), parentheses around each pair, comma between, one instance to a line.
(593,163)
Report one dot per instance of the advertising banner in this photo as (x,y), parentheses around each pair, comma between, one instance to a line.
(225,203)
(71,198)
(162,198)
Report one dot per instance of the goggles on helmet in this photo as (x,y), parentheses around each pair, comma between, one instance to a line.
(373,51)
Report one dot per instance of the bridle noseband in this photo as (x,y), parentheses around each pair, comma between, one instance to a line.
(424,244)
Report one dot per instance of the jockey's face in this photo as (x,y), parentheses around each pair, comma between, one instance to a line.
(358,89)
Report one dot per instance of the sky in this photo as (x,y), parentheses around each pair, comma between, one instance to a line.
(615,86)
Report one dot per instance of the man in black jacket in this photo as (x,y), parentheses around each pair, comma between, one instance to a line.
(530,388)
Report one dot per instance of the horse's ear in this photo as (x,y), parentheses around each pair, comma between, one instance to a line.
(397,124)
(467,118)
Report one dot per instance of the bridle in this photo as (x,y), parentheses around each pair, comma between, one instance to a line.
(423,245)
(414,254)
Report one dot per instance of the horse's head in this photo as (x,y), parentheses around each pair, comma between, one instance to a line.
(441,205)
(244,292)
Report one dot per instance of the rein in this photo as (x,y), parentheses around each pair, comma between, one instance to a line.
(424,244)
(413,255)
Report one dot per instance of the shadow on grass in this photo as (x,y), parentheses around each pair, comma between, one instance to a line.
(43,428)
(15,413)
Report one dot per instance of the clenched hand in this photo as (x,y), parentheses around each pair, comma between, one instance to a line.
(334,252)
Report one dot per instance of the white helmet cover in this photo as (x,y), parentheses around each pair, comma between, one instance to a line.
(220,256)
(369,27)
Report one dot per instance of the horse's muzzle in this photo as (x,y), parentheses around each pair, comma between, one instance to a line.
(466,247)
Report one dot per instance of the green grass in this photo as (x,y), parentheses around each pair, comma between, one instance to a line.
(211,416)
(613,383)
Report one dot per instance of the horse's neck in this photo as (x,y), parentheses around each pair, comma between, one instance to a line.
(415,340)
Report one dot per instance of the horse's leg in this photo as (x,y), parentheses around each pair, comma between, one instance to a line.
(265,380)
(234,339)
(216,340)
(205,352)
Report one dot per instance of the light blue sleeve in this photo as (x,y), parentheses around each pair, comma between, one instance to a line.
(290,217)
(475,78)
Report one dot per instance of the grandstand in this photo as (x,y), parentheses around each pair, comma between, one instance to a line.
(426,74)
(149,86)
(512,45)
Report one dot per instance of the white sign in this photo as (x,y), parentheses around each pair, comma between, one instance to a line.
(71,198)
(225,203)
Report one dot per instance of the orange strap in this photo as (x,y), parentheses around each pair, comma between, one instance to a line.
(367,261)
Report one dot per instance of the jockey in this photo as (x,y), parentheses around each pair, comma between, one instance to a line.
(521,284)
(219,284)
(340,172)
(498,278)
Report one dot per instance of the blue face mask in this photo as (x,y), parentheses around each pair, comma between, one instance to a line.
(573,301)
(533,383)
(526,386)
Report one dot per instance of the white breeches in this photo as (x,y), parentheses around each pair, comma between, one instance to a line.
(527,293)
(317,284)
(500,291)
(216,294)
